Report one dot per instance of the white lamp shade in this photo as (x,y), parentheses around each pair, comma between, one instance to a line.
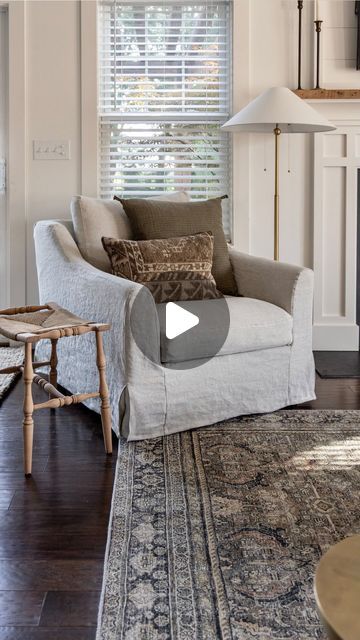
(278,107)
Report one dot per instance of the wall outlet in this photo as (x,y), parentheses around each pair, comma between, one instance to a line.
(51,149)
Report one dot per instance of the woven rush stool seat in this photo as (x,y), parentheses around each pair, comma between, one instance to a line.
(31,324)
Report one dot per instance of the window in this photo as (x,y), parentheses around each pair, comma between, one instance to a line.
(164,91)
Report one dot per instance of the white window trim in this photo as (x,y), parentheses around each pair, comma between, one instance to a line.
(17,154)
(241,142)
(89,91)
(240,97)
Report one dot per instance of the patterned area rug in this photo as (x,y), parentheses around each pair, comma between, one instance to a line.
(9,356)
(216,533)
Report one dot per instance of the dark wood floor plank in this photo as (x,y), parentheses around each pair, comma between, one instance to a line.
(59,575)
(356,389)
(84,498)
(70,609)
(47,633)
(6,496)
(15,610)
(334,394)
(50,480)
(16,522)
(14,461)
(54,547)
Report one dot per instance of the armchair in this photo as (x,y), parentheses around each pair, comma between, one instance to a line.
(266,364)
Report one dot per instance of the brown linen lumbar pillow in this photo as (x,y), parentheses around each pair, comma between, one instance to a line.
(173,269)
(151,219)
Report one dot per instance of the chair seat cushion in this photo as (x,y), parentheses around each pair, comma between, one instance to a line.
(253,325)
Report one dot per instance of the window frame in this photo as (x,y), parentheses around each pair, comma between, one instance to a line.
(240,96)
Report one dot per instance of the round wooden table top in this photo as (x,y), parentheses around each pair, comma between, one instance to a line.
(337,589)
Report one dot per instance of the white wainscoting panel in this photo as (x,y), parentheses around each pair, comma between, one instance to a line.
(336,164)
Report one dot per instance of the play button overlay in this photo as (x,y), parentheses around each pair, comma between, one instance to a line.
(182,334)
(178,320)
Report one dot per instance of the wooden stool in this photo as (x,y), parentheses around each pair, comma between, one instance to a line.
(337,589)
(31,324)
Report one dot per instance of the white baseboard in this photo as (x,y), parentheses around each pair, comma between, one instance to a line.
(336,337)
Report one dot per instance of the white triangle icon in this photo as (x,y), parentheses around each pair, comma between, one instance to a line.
(178,320)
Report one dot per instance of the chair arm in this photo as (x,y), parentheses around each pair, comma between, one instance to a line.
(66,278)
(276,282)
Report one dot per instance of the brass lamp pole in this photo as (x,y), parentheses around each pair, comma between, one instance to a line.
(278,110)
(277,132)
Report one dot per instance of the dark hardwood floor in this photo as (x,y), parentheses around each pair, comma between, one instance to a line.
(53,526)
(335,393)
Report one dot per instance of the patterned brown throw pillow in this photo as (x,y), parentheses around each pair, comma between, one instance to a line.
(173,269)
(154,219)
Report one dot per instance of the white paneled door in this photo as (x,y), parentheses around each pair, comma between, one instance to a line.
(4,289)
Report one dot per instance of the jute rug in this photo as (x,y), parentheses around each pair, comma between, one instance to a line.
(9,356)
(216,533)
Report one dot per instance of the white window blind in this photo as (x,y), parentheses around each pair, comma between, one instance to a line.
(164,91)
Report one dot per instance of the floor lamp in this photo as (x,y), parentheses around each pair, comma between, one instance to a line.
(277,110)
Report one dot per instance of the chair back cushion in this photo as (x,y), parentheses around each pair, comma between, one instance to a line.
(94,218)
(150,220)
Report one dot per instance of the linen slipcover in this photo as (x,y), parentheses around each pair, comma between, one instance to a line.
(148,399)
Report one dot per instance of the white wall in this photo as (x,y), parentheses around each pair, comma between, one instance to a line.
(44,104)
(53,112)
(3,154)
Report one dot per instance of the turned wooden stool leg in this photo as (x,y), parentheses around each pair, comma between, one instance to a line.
(28,423)
(104,393)
(53,363)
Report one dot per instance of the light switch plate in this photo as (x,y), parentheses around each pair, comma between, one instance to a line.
(51,149)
